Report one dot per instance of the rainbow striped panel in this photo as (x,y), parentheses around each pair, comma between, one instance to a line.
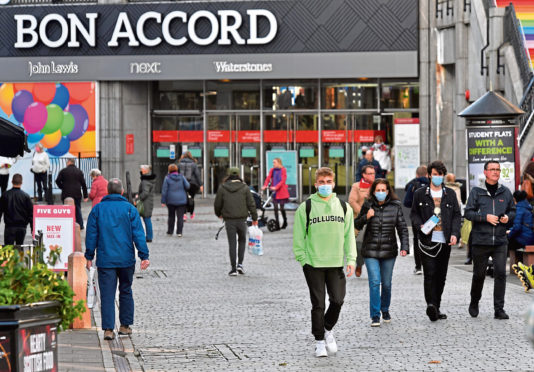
(524,10)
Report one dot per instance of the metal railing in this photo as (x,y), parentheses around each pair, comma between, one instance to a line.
(513,34)
(527,105)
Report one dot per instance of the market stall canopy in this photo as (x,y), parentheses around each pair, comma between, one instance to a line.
(491,106)
(13,141)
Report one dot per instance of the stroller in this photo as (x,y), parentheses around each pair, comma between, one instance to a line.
(261,205)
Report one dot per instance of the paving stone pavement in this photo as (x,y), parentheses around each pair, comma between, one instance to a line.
(191,316)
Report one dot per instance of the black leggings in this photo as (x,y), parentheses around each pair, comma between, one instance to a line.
(193,189)
(282,210)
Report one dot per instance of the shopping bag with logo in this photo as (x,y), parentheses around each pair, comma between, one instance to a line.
(91,288)
(255,240)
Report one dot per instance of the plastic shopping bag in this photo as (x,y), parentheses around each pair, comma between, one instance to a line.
(91,288)
(255,240)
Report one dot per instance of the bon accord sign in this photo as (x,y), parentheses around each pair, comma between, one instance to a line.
(205,40)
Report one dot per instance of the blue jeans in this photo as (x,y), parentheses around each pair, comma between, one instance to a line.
(107,282)
(379,271)
(148,228)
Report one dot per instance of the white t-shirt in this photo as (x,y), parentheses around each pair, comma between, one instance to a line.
(437,236)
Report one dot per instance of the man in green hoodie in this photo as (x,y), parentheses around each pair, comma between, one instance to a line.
(323,236)
(233,203)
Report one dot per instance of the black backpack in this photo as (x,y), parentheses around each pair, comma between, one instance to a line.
(308,211)
(408,197)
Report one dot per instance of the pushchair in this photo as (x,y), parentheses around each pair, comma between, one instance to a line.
(261,205)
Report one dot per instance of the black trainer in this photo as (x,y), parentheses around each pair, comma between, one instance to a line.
(386,317)
(432,312)
(473,309)
(501,314)
(233,272)
(240,269)
(441,315)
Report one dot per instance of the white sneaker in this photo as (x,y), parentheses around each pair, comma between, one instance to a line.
(331,345)
(320,349)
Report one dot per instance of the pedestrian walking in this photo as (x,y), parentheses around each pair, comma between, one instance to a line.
(174,196)
(99,186)
(521,234)
(5,166)
(233,203)
(40,167)
(113,227)
(17,209)
(490,208)
(72,183)
(146,195)
(187,167)
(368,160)
(436,218)
(359,193)
(323,238)
(277,179)
(420,180)
(381,152)
(383,216)
(450,182)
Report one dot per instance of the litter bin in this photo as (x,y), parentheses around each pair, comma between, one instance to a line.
(28,337)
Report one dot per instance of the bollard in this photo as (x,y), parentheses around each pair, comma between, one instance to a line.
(78,282)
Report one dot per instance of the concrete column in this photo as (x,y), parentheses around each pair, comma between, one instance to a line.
(111,144)
(425,78)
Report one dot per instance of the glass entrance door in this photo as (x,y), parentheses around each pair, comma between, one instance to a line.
(233,141)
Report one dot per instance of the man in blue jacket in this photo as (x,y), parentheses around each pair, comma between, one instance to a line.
(490,208)
(113,227)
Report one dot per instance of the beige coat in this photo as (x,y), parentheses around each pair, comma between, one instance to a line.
(357,197)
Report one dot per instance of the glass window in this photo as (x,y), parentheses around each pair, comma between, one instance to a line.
(404,95)
(354,95)
(178,95)
(289,95)
(233,95)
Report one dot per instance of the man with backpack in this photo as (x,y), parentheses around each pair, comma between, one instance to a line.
(323,237)
(420,180)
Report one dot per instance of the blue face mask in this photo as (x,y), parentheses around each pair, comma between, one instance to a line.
(437,180)
(381,195)
(324,190)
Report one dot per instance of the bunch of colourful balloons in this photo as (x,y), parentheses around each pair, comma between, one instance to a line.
(51,113)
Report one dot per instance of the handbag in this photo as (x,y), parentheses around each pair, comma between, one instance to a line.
(190,201)
(140,207)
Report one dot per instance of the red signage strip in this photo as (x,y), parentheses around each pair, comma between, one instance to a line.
(249,136)
(334,136)
(218,136)
(367,135)
(129,144)
(406,121)
(272,136)
(303,136)
(164,136)
(191,136)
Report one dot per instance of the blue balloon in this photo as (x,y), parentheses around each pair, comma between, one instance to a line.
(35,137)
(62,96)
(20,103)
(61,149)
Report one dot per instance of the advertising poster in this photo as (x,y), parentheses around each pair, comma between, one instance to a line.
(289,161)
(6,357)
(59,116)
(494,143)
(57,224)
(406,139)
(38,349)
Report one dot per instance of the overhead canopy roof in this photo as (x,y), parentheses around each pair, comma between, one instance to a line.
(12,139)
(491,106)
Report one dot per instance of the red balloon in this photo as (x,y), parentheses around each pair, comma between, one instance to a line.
(79,92)
(23,86)
(89,106)
(44,92)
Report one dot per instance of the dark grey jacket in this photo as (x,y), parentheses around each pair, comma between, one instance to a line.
(146,193)
(234,201)
(479,205)
(380,240)
(189,169)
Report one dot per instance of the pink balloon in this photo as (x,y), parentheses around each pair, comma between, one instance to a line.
(35,117)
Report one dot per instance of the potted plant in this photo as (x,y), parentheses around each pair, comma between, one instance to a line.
(35,304)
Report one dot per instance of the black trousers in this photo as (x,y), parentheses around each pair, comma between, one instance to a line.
(78,210)
(40,180)
(333,278)
(416,249)
(175,212)
(236,228)
(277,205)
(435,273)
(14,235)
(3,182)
(481,255)
(193,190)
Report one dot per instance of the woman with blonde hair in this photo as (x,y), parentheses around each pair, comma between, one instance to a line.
(277,178)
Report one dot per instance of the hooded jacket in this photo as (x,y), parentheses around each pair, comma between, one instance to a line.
(380,240)
(99,189)
(40,162)
(479,204)
(113,227)
(146,193)
(234,201)
(522,230)
(330,235)
(189,169)
(174,191)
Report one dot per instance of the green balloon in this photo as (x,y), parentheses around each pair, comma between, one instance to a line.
(68,123)
(55,119)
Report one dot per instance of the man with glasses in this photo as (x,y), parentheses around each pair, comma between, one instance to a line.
(490,208)
(358,193)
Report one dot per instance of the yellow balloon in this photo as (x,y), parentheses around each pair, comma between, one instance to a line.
(6,97)
(51,140)
(85,145)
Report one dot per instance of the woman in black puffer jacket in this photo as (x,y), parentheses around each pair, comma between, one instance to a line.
(382,213)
